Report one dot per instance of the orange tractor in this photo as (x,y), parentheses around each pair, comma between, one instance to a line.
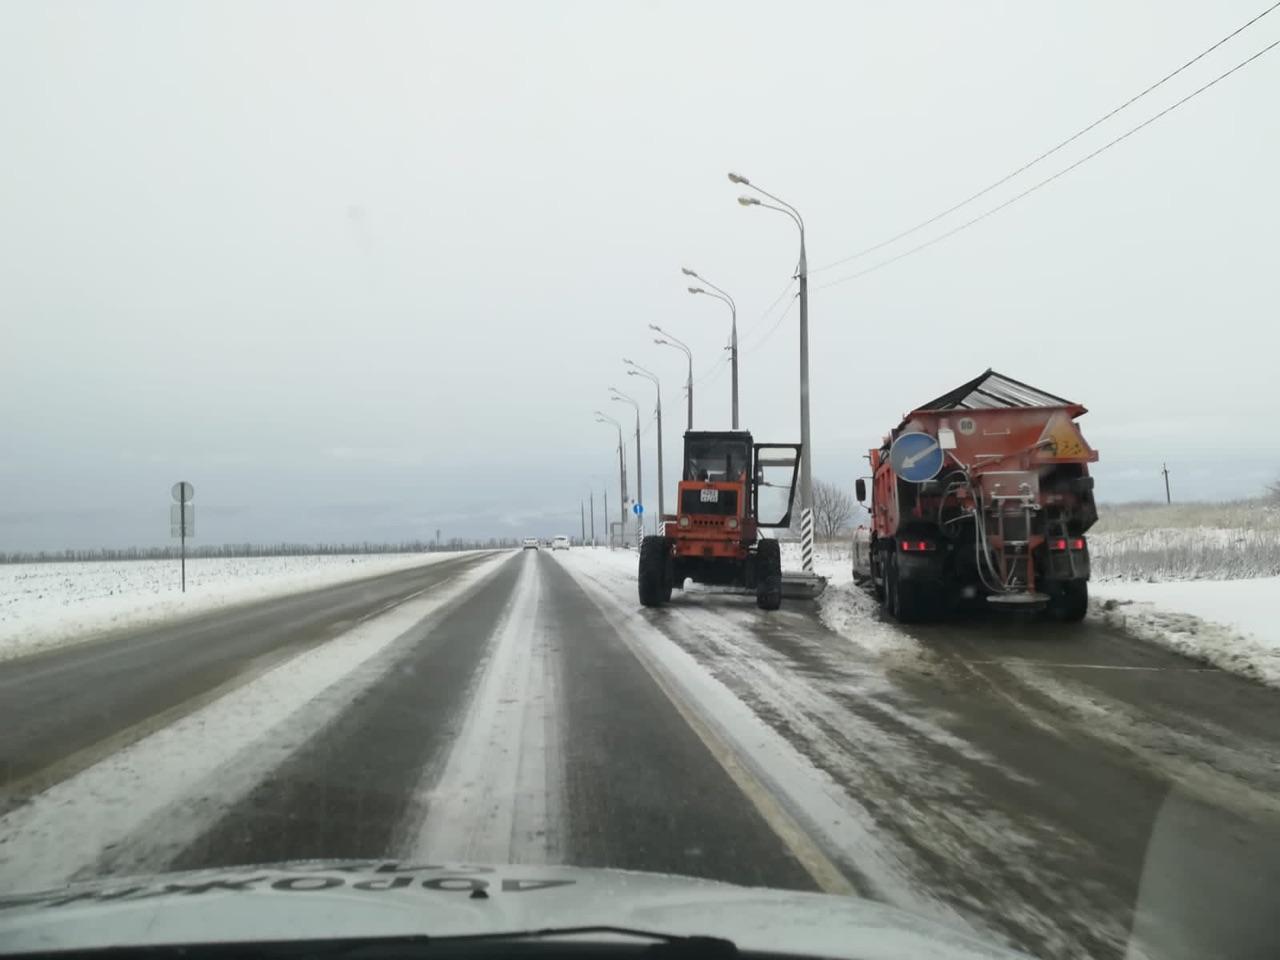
(731,489)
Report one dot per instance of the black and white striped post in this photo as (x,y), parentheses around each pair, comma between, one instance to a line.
(806,539)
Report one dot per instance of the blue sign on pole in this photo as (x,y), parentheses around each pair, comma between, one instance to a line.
(916,457)
(637,509)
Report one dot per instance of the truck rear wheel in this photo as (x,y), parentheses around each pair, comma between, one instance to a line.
(655,571)
(906,600)
(768,575)
(1069,600)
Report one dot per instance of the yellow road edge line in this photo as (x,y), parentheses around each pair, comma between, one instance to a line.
(828,877)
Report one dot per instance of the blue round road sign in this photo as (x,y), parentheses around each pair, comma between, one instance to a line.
(637,509)
(916,457)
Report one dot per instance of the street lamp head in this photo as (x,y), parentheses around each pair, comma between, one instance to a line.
(630,363)
(654,326)
(687,272)
(749,201)
(738,178)
(660,340)
(696,290)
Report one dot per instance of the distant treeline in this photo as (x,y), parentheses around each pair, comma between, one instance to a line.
(253,550)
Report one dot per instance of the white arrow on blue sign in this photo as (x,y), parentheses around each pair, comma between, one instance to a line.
(638,509)
(916,457)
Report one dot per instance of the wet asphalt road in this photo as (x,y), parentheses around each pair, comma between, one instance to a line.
(64,708)
(1070,791)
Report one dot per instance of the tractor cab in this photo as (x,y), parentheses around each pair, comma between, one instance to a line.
(731,487)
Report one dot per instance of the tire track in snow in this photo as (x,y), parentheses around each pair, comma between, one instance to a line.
(919,783)
(498,797)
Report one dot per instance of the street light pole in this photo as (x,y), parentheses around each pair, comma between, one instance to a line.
(733,339)
(639,371)
(622,469)
(593,518)
(806,447)
(671,341)
(623,398)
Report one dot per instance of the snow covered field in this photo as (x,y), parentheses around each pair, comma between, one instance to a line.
(48,604)
(1185,553)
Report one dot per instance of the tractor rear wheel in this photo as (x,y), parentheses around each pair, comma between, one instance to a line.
(655,571)
(768,575)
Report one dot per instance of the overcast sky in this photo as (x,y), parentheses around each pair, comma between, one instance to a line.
(363,271)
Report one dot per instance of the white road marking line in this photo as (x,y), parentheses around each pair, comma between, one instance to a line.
(1023,661)
(142,805)
(499,795)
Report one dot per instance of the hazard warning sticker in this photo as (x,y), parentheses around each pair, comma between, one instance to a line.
(1063,439)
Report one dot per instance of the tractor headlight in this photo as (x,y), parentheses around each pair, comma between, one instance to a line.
(684,522)
(732,523)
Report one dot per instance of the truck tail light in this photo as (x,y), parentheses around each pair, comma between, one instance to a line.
(683,523)
(732,523)
(917,546)
(1062,543)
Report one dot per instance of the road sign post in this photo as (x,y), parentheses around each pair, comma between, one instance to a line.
(638,510)
(182,521)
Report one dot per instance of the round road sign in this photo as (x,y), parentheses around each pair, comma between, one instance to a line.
(183,491)
(916,457)
(638,509)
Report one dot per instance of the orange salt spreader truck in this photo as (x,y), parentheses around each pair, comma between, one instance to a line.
(982,492)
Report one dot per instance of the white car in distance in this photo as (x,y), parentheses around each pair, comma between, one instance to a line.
(560,543)
(530,543)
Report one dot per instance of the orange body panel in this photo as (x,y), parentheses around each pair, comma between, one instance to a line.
(710,534)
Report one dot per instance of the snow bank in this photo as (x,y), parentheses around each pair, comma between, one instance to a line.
(846,608)
(48,604)
(1229,623)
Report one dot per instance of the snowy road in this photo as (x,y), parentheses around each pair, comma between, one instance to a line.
(1070,791)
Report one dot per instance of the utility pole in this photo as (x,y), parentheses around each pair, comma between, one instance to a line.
(593,518)
(721,295)
(1165,471)
(639,371)
(623,398)
(671,341)
(639,487)
(806,447)
(582,515)
(608,538)
(622,469)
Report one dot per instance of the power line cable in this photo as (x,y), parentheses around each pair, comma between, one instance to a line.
(1052,150)
(1048,180)
(772,330)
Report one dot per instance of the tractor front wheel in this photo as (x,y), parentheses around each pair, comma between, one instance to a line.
(768,575)
(655,571)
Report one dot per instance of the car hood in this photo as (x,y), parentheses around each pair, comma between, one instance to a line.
(346,899)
